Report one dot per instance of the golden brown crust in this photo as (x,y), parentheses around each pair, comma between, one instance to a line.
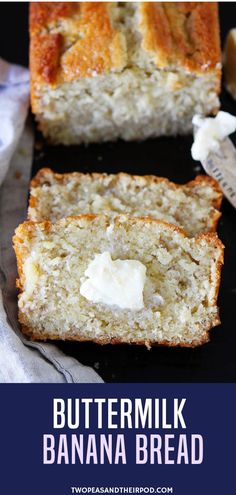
(89,43)
(45,173)
(43,14)
(186,32)
(46,56)
(73,40)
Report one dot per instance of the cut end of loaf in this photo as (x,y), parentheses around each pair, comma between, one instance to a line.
(184,272)
(105,72)
(132,106)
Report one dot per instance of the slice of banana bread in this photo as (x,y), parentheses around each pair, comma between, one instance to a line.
(178,280)
(193,206)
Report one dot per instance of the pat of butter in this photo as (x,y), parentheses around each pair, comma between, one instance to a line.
(211,131)
(118,282)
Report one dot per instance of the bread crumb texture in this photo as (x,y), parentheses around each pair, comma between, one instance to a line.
(132,70)
(193,206)
(180,292)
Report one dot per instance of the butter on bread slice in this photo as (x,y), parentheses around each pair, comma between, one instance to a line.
(179,295)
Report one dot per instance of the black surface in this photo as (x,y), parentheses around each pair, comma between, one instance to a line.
(215,361)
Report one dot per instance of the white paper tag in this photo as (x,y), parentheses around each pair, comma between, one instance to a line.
(222,166)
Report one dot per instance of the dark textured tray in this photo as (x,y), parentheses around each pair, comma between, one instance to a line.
(168,157)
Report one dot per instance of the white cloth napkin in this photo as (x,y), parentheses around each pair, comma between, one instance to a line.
(21,360)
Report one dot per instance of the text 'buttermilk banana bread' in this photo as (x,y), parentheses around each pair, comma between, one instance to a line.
(131,70)
(193,206)
(130,280)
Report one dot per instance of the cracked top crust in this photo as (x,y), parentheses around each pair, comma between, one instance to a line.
(70,41)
